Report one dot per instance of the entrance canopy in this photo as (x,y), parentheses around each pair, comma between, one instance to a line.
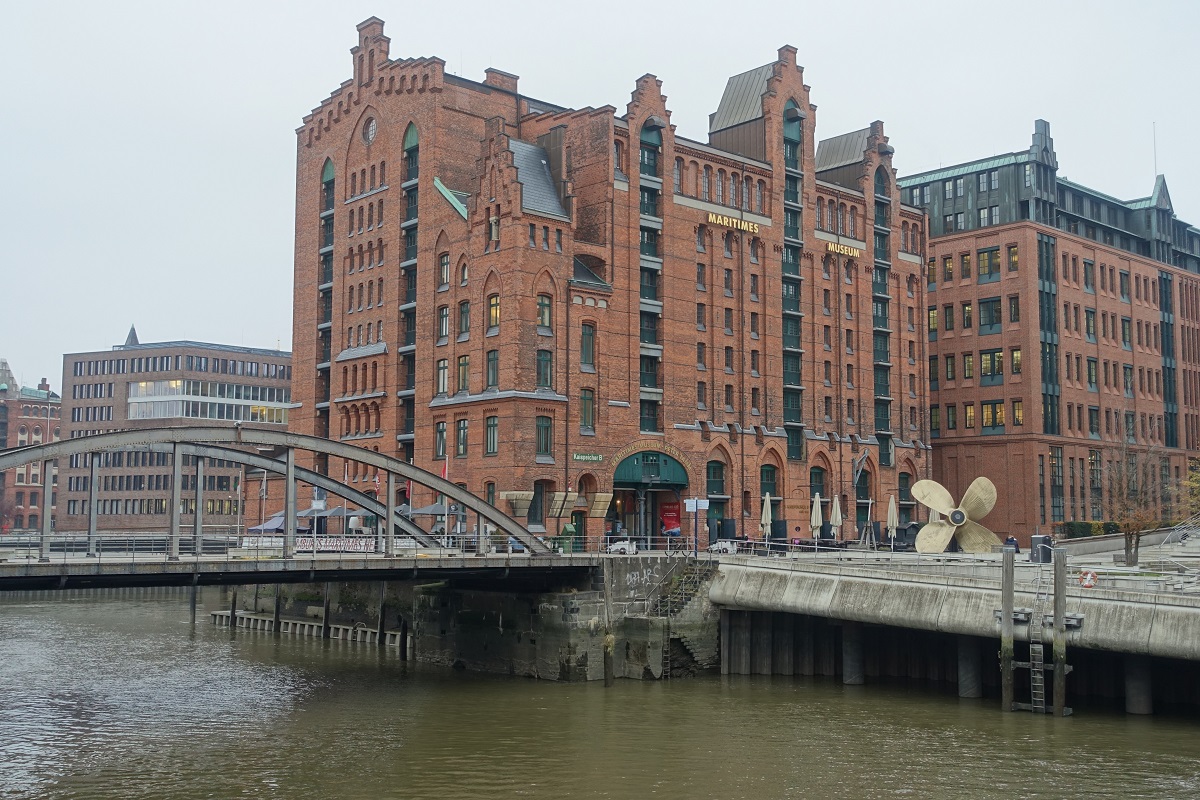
(650,469)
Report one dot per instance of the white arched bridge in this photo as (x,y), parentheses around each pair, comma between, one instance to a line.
(237,445)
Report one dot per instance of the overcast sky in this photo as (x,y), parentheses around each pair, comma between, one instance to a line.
(149,147)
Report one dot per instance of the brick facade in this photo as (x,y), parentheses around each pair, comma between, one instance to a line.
(1106,334)
(614,316)
(27,416)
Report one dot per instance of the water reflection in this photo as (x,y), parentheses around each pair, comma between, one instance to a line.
(122,698)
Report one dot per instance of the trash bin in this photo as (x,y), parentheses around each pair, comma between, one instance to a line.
(1041,549)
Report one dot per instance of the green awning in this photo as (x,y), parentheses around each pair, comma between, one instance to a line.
(650,468)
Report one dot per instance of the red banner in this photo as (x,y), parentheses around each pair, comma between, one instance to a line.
(668,515)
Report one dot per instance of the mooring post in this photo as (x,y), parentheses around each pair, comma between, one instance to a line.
(198,516)
(233,610)
(1006,630)
(381,620)
(176,500)
(278,607)
(193,598)
(325,611)
(47,517)
(1060,631)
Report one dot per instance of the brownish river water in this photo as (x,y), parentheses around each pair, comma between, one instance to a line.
(123,698)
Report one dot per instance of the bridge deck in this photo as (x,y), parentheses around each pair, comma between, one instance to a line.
(83,572)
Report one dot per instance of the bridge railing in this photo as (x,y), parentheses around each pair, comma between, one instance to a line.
(1145,582)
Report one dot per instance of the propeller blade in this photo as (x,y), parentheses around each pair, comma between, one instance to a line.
(934,537)
(974,538)
(934,495)
(979,499)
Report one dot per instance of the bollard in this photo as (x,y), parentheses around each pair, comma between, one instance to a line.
(1006,630)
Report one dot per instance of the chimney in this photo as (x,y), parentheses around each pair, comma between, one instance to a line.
(44,385)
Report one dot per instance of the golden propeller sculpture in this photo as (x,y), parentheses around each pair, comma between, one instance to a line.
(958,521)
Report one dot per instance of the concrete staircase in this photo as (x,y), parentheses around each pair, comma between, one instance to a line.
(677,655)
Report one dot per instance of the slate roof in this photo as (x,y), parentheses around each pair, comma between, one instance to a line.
(537,184)
(374,349)
(742,99)
(842,150)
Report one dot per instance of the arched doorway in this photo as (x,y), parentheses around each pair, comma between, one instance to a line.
(646,503)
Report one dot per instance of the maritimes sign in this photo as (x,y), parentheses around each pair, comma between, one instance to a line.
(732,222)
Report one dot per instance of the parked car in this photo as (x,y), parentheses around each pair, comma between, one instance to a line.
(625,547)
(725,546)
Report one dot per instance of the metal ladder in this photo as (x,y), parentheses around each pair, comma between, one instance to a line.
(1037,660)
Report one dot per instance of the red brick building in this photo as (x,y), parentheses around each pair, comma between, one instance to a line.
(587,318)
(27,416)
(1063,333)
(164,384)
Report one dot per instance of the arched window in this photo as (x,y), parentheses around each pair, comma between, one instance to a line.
(651,144)
(545,305)
(767,480)
(734,186)
(383,173)
(411,153)
(462,275)
(353,184)
(715,478)
(748,183)
(678,176)
(793,129)
(720,186)
(350,297)
(904,237)
(379,297)
(327,186)
(816,482)
(841,219)
(831,218)
(820,214)
(881,181)
(760,191)
(706,184)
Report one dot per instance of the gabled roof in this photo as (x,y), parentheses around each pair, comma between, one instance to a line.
(842,150)
(537,184)
(742,99)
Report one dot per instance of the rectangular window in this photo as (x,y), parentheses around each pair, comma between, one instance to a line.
(947,268)
(1126,333)
(1091,374)
(967,316)
(1014,308)
(491,429)
(992,415)
(1089,324)
(1014,362)
(441,376)
(968,364)
(950,368)
(464,318)
(494,311)
(587,410)
(460,438)
(439,440)
(969,416)
(933,320)
(701,395)
(464,373)
(1124,277)
(952,417)
(587,346)
(648,415)
(989,315)
(991,367)
(545,369)
(493,369)
(545,436)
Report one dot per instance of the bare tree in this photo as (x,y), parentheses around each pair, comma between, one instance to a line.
(1138,494)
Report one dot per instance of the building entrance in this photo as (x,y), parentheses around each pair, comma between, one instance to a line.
(647,500)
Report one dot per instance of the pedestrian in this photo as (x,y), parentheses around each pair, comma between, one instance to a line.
(1011,541)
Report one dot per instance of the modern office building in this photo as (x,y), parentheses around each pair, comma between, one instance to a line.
(27,416)
(1063,330)
(156,385)
(586,318)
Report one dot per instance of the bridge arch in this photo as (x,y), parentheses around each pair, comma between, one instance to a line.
(183,439)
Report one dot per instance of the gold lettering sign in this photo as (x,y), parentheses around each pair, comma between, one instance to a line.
(843,249)
(732,222)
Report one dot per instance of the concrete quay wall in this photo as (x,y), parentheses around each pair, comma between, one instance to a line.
(1155,624)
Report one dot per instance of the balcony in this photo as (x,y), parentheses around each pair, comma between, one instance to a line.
(879,286)
(880,322)
(881,355)
(410,339)
(791,304)
(326,274)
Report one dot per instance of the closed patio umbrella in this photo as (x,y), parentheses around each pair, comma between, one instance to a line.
(815,519)
(765,520)
(835,517)
(893,520)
